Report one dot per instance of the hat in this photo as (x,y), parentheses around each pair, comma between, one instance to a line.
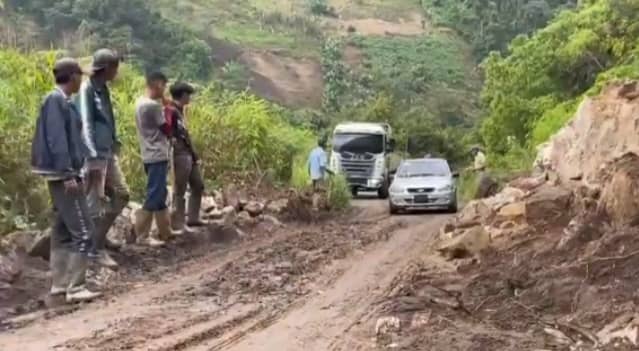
(66,66)
(103,58)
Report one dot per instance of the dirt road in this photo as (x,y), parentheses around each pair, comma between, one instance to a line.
(304,287)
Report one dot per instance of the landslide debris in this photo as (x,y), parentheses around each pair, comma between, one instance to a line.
(549,263)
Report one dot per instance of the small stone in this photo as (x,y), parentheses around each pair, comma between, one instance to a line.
(254,208)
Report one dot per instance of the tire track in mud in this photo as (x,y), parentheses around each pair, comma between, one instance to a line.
(242,296)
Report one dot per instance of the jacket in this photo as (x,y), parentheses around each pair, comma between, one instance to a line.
(181,139)
(57,148)
(98,121)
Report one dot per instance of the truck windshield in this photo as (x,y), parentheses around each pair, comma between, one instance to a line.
(358,143)
(423,168)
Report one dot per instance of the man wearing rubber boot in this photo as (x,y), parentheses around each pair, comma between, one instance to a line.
(107,191)
(185,162)
(57,154)
(153,135)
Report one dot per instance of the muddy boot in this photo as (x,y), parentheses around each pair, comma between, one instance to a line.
(104,259)
(195,203)
(142,228)
(163,223)
(177,220)
(77,290)
(58,262)
(142,225)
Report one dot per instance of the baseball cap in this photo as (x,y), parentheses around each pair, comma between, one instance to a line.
(103,58)
(67,66)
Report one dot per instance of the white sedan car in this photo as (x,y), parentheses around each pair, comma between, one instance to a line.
(423,184)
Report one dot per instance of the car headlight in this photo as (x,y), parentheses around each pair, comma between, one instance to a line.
(448,187)
(396,189)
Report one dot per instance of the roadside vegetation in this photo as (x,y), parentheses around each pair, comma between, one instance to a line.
(240,137)
(533,89)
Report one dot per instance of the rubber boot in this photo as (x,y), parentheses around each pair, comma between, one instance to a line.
(177,218)
(58,262)
(163,223)
(195,203)
(77,290)
(142,227)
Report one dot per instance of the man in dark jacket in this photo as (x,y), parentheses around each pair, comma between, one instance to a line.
(185,162)
(105,179)
(57,155)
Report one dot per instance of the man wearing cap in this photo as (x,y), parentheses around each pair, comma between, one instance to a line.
(108,192)
(57,154)
(185,162)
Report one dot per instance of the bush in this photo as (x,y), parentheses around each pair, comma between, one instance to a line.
(339,192)
(238,136)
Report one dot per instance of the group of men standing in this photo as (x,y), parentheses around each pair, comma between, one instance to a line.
(76,149)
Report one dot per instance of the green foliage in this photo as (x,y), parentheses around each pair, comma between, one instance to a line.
(339,192)
(320,8)
(422,86)
(334,71)
(531,92)
(235,76)
(132,27)
(489,25)
(238,136)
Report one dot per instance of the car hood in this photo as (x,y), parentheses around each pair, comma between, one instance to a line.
(423,182)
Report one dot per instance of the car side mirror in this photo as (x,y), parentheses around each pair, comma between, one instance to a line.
(455,174)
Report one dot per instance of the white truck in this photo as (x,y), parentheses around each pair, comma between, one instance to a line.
(360,152)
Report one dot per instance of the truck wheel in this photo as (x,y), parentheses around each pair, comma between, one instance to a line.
(382,193)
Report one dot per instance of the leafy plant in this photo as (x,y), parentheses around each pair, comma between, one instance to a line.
(339,193)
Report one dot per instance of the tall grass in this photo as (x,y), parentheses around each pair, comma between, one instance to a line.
(239,137)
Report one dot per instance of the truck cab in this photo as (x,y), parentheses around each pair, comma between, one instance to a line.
(360,152)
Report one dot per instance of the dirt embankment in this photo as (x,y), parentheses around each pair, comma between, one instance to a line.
(550,263)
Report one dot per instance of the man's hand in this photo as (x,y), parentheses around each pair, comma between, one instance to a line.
(71,186)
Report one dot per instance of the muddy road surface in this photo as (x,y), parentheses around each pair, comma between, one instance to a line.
(304,287)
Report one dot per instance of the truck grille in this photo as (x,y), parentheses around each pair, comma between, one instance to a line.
(357,165)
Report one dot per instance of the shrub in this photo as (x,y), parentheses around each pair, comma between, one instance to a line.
(339,193)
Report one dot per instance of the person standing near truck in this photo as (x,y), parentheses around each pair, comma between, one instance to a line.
(317,165)
(105,177)
(185,162)
(57,154)
(154,137)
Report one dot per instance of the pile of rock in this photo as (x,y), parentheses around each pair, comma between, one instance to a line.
(524,205)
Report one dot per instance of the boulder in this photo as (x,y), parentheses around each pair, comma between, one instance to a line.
(10,268)
(215,214)
(620,195)
(475,211)
(603,129)
(254,208)
(513,211)
(468,244)
(41,245)
(232,196)
(228,215)
(548,202)
(244,219)
(20,240)
(209,204)
(277,206)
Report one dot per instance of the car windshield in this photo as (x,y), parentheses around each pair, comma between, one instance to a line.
(423,168)
(358,143)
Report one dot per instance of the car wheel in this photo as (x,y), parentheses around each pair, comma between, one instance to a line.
(453,207)
(392,209)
